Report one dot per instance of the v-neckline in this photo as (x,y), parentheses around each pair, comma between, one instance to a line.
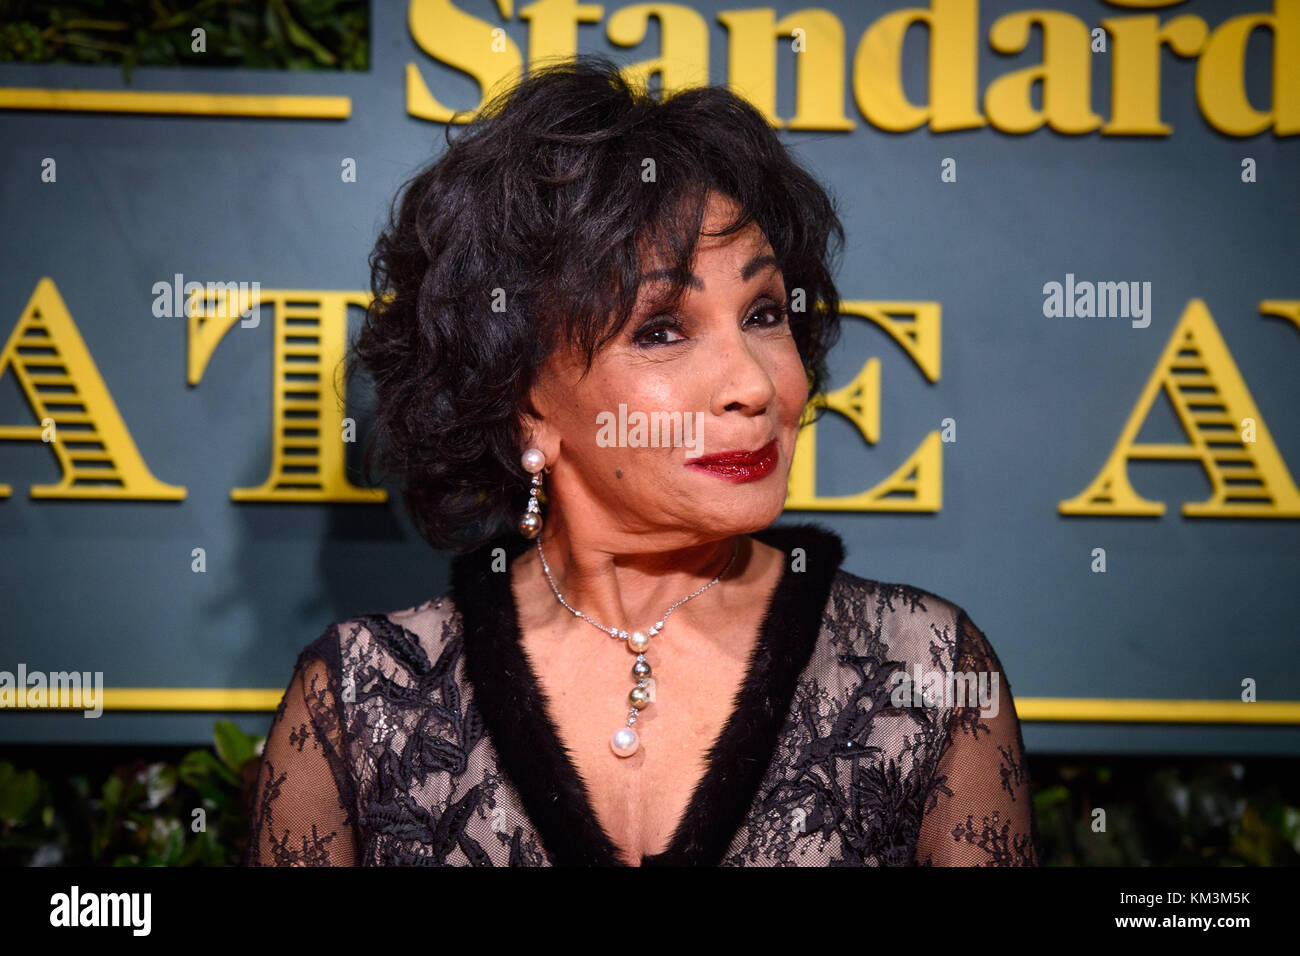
(516,711)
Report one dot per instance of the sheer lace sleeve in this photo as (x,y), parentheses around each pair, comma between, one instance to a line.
(978,811)
(301,812)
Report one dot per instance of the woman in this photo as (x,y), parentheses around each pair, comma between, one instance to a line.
(586,258)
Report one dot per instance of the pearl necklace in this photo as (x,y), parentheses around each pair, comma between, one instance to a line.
(624,742)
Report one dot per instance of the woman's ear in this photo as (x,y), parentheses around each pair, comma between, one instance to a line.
(536,430)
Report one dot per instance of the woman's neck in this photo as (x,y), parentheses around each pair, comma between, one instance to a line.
(631,588)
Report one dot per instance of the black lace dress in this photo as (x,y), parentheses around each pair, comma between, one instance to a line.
(421,737)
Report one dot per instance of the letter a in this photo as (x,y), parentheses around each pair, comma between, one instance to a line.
(1211,400)
(54,369)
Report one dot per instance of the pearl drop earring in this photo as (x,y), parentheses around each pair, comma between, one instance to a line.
(530,525)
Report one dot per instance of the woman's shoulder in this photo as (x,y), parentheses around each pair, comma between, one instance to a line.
(408,640)
(888,601)
(911,622)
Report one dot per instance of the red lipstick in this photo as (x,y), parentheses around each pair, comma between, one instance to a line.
(739,466)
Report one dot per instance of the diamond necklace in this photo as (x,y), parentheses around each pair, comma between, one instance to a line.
(624,742)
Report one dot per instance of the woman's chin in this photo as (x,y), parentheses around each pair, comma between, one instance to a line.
(741,516)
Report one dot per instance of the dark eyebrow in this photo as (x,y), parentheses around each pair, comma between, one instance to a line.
(747,271)
(750,268)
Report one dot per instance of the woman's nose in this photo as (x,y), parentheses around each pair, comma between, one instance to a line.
(741,378)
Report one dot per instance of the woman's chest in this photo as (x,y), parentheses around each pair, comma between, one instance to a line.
(639,801)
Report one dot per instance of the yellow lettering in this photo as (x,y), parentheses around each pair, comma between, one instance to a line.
(553,27)
(1198,374)
(465,43)
(54,369)
(1065,74)
(307,448)
(684,45)
(1282,308)
(1135,69)
(819,87)
(1221,74)
(954,44)
(917,484)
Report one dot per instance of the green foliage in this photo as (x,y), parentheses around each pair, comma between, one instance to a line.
(1204,813)
(144,814)
(1208,815)
(272,35)
(27,822)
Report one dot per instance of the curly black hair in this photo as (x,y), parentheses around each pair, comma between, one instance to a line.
(529,231)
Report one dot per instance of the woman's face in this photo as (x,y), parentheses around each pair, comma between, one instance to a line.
(725,368)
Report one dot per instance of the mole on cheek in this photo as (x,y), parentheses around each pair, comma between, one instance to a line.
(618,472)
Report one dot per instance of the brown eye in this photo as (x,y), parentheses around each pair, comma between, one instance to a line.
(775,315)
(652,334)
